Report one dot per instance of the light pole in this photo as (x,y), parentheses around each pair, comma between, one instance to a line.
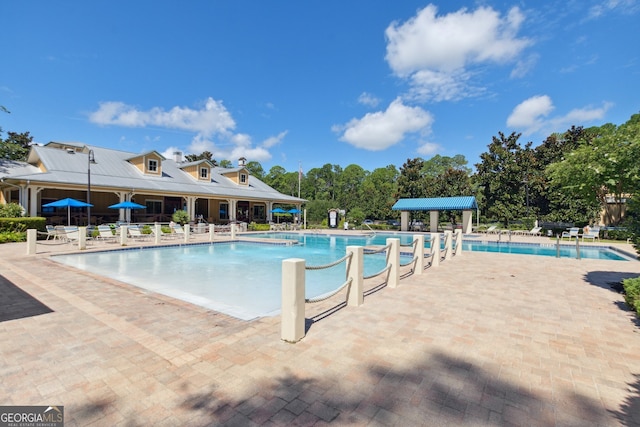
(90,159)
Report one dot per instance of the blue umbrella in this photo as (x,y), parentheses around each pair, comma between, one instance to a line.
(127,205)
(278,210)
(67,203)
(293,211)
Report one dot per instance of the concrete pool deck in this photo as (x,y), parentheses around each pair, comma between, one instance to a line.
(483,339)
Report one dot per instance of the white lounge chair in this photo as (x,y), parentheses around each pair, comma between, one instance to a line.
(492,230)
(535,231)
(137,234)
(105,234)
(591,233)
(572,233)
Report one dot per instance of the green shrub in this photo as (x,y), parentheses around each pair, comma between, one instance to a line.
(11,210)
(22,224)
(12,236)
(180,216)
(632,293)
(146,229)
(258,227)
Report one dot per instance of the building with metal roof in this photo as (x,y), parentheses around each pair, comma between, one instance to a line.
(466,204)
(59,170)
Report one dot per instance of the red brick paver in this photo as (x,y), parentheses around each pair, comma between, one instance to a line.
(484,339)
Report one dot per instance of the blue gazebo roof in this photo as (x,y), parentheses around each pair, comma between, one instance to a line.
(460,203)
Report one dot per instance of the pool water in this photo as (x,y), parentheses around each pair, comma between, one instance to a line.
(567,250)
(243,279)
(240,279)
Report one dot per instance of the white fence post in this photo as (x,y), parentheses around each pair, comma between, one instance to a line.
(448,234)
(355,271)
(418,241)
(82,238)
(458,242)
(292,312)
(233,231)
(435,249)
(394,260)
(123,235)
(212,229)
(157,234)
(187,232)
(32,237)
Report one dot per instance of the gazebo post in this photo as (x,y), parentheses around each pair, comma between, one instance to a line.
(434,217)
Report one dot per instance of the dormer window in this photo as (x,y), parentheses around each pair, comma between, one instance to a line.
(152,165)
(243,178)
(204,173)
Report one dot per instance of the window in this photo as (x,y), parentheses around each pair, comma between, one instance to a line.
(204,173)
(153,165)
(154,207)
(224,210)
(243,178)
(258,212)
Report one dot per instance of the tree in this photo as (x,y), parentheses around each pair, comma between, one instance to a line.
(350,191)
(255,169)
(410,182)
(603,167)
(501,177)
(438,165)
(379,189)
(16,146)
(226,164)
(205,155)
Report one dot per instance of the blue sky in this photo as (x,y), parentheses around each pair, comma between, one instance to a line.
(292,83)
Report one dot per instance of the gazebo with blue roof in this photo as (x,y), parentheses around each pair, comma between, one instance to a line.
(434,205)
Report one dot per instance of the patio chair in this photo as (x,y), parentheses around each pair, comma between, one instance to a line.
(592,233)
(572,233)
(105,234)
(137,234)
(492,230)
(535,231)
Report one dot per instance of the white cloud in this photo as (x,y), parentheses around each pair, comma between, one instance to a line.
(530,116)
(428,149)
(383,129)
(211,120)
(624,6)
(429,49)
(368,99)
(274,140)
(440,86)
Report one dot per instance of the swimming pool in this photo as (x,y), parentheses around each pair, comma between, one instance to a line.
(241,279)
(567,250)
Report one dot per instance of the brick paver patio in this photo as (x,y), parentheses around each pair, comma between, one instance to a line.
(481,340)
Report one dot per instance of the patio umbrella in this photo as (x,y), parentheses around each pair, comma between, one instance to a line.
(293,211)
(67,203)
(278,211)
(127,205)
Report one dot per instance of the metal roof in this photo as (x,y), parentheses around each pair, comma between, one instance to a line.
(112,169)
(437,204)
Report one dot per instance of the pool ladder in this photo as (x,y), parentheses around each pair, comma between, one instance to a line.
(500,236)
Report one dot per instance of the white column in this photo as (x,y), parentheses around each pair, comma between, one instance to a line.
(157,233)
(419,252)
(355,271)
(123,235)
(82,238)
(467,222)
(435,249)
(434,219)
(212,229)
(394,260)
(404,220)
(32,237)
(448,235)
(292,311)
(458,234)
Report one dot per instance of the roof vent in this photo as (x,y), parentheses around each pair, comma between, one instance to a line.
(242,161)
